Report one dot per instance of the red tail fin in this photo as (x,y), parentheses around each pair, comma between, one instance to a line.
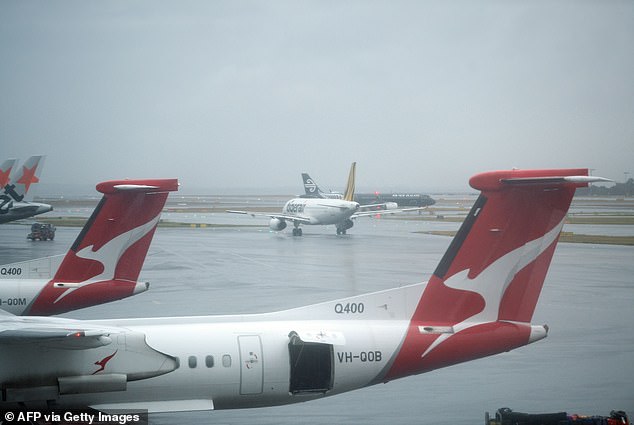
(483,293)
(105,260)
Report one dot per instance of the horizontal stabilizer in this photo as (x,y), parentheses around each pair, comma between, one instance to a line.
(143,185)
(555,180)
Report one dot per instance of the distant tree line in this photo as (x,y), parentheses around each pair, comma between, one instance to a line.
(619,189)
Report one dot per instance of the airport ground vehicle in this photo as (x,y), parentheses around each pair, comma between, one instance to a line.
(42,232)
(506,416)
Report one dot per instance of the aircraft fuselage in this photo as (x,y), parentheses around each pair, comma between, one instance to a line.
(11,211)
(225,362)
(233,361)
(321,211)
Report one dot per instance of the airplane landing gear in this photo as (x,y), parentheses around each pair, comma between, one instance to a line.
(297,231)
(343,226)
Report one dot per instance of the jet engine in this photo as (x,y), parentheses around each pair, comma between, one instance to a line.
(277,224)
(391,205)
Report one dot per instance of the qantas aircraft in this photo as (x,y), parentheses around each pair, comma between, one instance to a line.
(478,302)
(15,184)
(104,262)
(320,211)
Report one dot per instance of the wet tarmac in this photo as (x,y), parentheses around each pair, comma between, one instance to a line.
(586,365)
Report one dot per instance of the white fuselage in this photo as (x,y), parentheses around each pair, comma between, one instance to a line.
(320,211)
(19,210)
(251,362)
(227,361)
(18,294)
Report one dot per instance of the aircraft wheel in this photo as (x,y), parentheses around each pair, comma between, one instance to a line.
(299,231)
(338,231)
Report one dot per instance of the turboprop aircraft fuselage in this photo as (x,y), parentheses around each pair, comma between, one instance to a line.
(226,362)
(321,211)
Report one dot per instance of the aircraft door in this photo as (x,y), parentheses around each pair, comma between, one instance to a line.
(312,366)
(251,369)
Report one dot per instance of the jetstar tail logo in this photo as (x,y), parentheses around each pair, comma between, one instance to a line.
(28,177)
(4,177)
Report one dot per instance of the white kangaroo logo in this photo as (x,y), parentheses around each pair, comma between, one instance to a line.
(492,282)
(110,253)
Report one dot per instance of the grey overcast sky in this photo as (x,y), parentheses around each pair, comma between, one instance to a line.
(235,94)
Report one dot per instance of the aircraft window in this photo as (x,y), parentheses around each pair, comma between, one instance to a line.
(226,360)
(192,361)
(209,361)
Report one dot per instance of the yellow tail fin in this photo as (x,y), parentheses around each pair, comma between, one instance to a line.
(349,193)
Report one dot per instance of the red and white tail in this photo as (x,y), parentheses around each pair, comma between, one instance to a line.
(481,297)
(105,260)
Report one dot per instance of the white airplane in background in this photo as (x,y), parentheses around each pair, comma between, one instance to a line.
(319,211)
(104,262)
(479,302)
(14,185)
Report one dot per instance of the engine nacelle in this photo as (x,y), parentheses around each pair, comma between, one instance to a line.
(277,224)
(391,205)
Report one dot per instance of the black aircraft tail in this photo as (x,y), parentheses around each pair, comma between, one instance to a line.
(310,187)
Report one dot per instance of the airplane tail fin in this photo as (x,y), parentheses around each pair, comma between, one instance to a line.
(22,178)
(310,187)
(5,172)
(104,262)
(348,195)
(481,297)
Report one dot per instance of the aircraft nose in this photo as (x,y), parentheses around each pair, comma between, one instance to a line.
(41,209)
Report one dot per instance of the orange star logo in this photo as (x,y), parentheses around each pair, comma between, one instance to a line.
(4,177)
(28,177)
